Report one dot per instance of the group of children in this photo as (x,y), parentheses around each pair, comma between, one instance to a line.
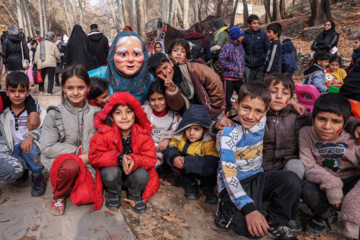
(257,158)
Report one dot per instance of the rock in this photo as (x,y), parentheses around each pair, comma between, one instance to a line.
(310,33)
(350,30)
(293,29)
(355,35)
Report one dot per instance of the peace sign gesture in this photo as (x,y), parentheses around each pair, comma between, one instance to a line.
(168,82)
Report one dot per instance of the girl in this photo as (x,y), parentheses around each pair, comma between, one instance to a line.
(65,140)
(99,93)
(123,152)
(334,69)
(163,121)
(159,47)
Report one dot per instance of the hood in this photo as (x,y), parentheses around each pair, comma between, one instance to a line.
(14,38)
(195,115)
(287,47)
(193,35)
(312,69)
(95,36)
(122,98)
(162,46)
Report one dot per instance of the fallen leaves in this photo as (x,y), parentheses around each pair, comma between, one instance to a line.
(169,236)
(112,212)
(34,228)
(4,220)
(4,200)
(132,203)
(93,230)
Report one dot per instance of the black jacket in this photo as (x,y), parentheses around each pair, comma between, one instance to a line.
(322,43)
(100,45)
(351,87)
(273,60)
(11,52)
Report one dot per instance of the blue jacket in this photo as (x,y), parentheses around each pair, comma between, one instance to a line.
(273,60)
(289,65)
(256,45)
(315,75)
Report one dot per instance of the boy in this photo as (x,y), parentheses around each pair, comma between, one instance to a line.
(243,185)
(273,60)
(315,75)
(232,59)
(289,65)
(256,45)
(18,144)
(192,152)
(332,162)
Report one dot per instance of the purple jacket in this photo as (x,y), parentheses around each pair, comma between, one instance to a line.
(232,59)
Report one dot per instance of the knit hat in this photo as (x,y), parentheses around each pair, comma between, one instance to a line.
(127,28)
(236,32)
(13,30)
(218,23)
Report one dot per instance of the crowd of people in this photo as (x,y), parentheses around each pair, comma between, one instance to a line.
(129,117)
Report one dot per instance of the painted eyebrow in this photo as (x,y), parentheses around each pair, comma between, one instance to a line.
(138,50)
(121,50)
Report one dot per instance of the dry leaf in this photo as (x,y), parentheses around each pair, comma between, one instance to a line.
(170,217)
(34,228)
(128,230)
(93,230)
(4,220)
(132,203)
(188,208)
(27,238)
(4,200)
(145,233)
(112,212)
(169,236)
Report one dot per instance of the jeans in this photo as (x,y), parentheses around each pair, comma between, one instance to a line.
(11,167)
(254,74)
(32,159)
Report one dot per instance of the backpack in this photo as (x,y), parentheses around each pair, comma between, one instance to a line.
(196,46)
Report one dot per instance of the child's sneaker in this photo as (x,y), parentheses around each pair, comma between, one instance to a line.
(317,225)
(295,225)
(280,232)
(140,205)
(39,186)
(24,177)
(210,196)
(220,221)
(192,191)
(113,201)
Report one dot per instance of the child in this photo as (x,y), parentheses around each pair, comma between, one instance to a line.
(332,164)
(273,59)
(193,153)
(315,75)
(289,65)
(163,121)
(187,82)
(242,184)
(99,93)
(334,69)
(232,59)
(19,146)
(123,152)
(159,47)
(65,140)
(356,54)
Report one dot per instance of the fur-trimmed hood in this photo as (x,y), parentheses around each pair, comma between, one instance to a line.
(122,98)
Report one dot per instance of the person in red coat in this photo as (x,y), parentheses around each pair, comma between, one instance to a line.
(123,152)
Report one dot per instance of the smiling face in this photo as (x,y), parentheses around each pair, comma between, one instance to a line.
(280,96)
(328,125)
(254,25)
(178,53)
(165,69)
(17,95)
(123,117)
(194,133)
(75,90)
(250,111)
(158,102)
(103,99)
(323,63)
(129,57)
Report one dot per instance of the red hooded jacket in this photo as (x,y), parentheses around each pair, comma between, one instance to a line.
(106,144)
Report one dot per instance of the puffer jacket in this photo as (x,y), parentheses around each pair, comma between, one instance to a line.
(100,46)
(315,75)
(326,44)
(256,45)
(11,53)
(232,59)
(52,55)
(289,65)
(106,144)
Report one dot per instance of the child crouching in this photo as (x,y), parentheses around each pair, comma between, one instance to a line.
(193,153)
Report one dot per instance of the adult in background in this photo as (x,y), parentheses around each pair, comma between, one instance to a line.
(327,40)
(351,87)
(21,33)
(127,69)
(3,37)
(256,44)
(200,45)
(46,57)
(100,44)
(11,50)
(59,66)
(79,50)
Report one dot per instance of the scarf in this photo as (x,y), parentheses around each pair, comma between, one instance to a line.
(220,30)
(49,36)
(118,81)
(325,33)
(356,53)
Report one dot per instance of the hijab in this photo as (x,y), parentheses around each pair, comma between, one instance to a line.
(49,36)
(326,33)
(120,82)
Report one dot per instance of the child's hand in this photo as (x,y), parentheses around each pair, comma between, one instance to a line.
(26,145)
(179,162)
(357,135)
(163,145)
(180,62)
(224,122)
(168,82)
(337,206)
(300,109)
(85,159)
(256,224)
(127,164)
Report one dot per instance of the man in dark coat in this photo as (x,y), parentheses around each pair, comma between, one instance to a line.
(100,44)
(351,87)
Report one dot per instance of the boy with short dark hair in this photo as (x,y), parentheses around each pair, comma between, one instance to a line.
(273,60)
(332,162)
(243,184)
(315,75)
(19,146)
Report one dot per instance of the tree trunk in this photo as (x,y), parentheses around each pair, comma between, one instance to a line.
(7,10)
(142,30)
(74,14)
(126,10)
(134,23)
(186,14)
(121,14)
(267,11)
(112,11)
(232,21)
(30,18)
(68,18)
(45,18)
(19,14)
(165,10)
(245,13)
(283,9)
(196,11)
(49,14)
(41,19)
(81,14)
(316,13)
(276,11)
(218,8)
(173,13)
(326,7)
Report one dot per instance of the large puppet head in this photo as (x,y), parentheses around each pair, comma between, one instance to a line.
(129,56)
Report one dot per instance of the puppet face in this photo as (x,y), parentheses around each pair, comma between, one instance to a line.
(129,57)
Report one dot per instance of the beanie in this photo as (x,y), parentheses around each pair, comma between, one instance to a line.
(236,32)
(218,23)
(13,30)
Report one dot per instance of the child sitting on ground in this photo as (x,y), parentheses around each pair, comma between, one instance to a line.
(334,69)
(193,153)
(273,59)
(242,184)
(332,162)
(99,93)
(19,146)
(123,152)
(315,75)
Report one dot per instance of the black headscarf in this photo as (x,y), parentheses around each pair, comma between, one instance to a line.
(330,31)
(79,50)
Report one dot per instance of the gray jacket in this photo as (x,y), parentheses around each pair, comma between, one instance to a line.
(65,129)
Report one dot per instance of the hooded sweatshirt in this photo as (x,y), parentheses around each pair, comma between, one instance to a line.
(195,37)
(11,52)
(289,65)
(100,46)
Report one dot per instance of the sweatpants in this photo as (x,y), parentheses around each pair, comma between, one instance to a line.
(281,188)
(114,180)
(296,166)
(254,74)
(11,167)
(50,71)
(68,172)
(229,87)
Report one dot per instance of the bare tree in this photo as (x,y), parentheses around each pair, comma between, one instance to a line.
(276,11)
(196,11)
(126,10)
(186,14)
(41,19)
(44,16)
(121,14)
(245,13)
(81,14)
(29,18)
(142,25)
(19,14)
(218,8)
(173,13)
(320,11)
(165,10)
(112,11)
(267,11)
(7,10)
(68,17)
(232,21)
(74,13)
(283,9)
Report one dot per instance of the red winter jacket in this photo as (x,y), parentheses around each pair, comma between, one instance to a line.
(106,144)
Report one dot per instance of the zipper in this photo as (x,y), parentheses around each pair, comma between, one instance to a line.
(253,41)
